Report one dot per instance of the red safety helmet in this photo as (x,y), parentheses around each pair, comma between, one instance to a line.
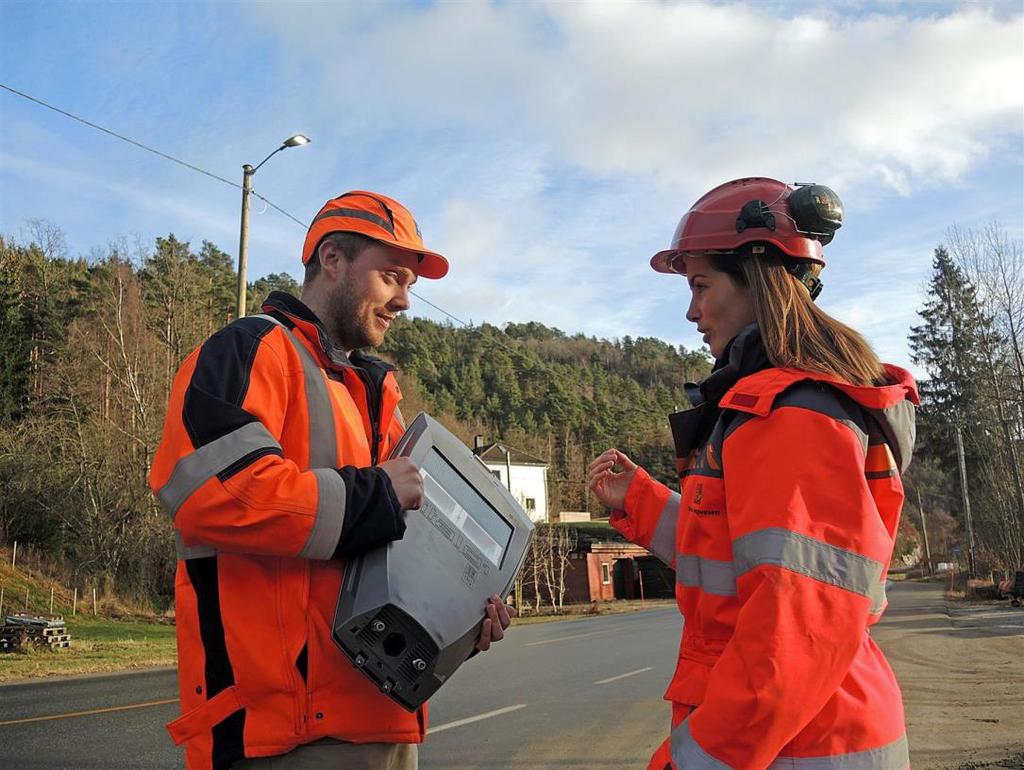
(796,219)
(379,217)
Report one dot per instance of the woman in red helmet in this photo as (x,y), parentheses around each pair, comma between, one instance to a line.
(789,463)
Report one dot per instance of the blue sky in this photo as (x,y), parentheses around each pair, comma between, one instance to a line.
(547,148)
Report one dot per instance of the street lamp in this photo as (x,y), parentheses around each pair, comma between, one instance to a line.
(243,239)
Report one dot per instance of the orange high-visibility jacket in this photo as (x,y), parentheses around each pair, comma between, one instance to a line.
(267,467)
(781,541)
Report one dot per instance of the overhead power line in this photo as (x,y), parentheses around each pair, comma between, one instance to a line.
(514,350)
(145,147)
(191,166)
(203,171)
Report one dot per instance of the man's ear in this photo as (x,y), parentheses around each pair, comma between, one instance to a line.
(331,257)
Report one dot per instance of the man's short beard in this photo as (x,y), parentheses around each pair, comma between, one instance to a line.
(344,325)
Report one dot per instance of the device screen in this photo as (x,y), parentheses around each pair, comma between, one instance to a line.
(465,507)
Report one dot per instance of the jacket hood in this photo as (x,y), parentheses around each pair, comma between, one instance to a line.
(891,405)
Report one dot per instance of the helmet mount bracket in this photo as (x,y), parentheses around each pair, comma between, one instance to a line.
(755,214)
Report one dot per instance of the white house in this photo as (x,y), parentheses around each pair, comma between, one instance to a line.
(524,475)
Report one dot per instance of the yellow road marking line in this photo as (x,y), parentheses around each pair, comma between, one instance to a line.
(88,713)
(477,718)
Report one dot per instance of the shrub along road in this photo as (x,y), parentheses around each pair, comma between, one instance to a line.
(572,694)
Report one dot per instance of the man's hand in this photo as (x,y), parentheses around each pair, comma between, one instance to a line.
(406,481)
(609,486)
(499,617)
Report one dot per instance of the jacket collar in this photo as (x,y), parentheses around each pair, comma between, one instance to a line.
(756,393)
(744,355)
(297,315)
(744,380)
(891,405)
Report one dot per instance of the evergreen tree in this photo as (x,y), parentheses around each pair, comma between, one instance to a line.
(259,289)
(951,344)
(220,288)
(170,281)
(962,353)
(14,348)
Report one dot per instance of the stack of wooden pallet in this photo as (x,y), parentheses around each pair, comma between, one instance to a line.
(21,630)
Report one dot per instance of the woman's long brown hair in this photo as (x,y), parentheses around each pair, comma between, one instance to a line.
(797,333)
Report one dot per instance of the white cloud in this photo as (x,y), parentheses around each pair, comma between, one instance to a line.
(583,131)
(692,91)
(548,148)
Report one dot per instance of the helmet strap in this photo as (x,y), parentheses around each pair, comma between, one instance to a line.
(772,255)
(802,272)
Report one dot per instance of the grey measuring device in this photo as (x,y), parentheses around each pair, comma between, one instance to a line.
(409,612)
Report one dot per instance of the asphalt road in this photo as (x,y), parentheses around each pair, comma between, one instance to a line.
(539,699)
(569,694)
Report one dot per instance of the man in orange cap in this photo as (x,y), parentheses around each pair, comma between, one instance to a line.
(270,469)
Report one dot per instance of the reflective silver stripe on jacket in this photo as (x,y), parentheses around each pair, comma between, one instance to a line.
(719,578)
(813,558)
(709,575)
(663,541)
(323,456)
(688,755)
(186,552)
(895,756)
(330,515)
(323,441)
(195,469)
(878,597)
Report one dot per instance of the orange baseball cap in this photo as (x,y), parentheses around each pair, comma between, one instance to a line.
(376,216)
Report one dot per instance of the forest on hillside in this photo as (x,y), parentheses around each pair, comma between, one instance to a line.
(89,345)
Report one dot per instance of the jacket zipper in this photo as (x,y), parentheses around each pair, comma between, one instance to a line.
(374,396)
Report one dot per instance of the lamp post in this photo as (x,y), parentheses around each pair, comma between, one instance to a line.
(243,238)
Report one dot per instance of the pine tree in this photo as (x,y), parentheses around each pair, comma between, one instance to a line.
(961,351)
(258,290)
(952,344)
(14,349)
(220,285)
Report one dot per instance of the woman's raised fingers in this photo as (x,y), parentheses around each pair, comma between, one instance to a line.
(596,470)
(623,460)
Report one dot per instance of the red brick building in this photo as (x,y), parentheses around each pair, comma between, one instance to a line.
(603,566)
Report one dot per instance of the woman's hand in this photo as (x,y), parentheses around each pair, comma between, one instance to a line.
(610,486)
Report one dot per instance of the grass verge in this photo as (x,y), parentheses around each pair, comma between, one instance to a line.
(97,645)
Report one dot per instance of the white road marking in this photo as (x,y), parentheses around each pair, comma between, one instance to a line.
(623,676)
(566,638)
(477,718)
